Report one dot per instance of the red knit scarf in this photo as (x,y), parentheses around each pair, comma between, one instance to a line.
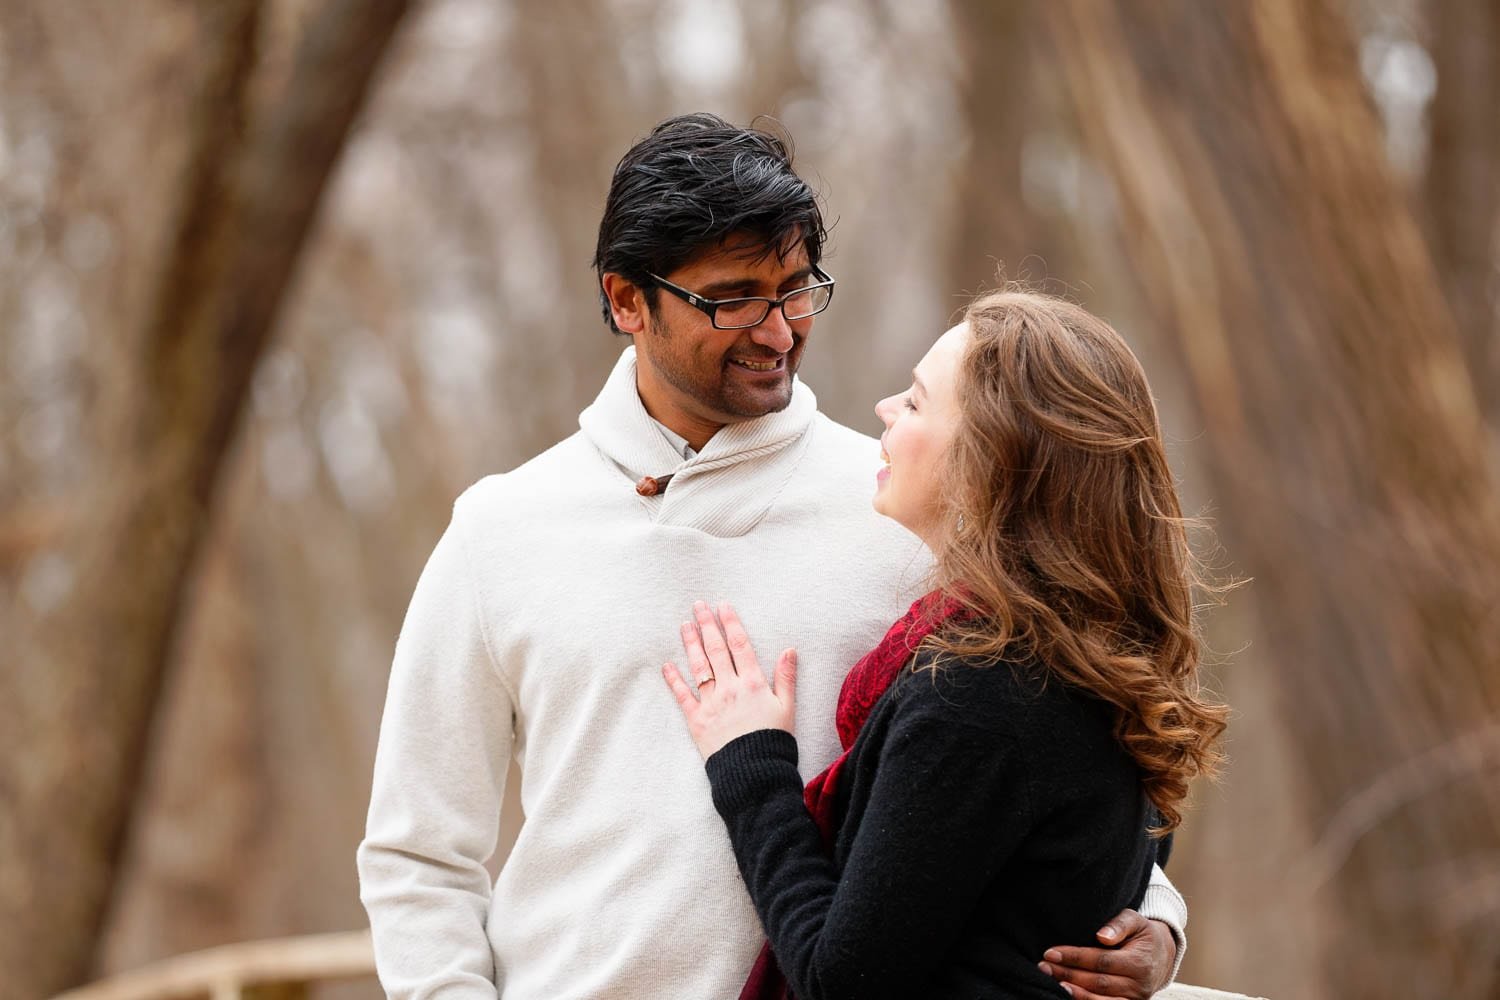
(869,679)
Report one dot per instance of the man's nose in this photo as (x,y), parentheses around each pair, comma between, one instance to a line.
(773,332)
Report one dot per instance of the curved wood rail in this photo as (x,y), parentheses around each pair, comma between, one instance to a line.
(280,968)
(283,969)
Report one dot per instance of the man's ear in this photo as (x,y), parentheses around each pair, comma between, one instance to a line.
(627,303)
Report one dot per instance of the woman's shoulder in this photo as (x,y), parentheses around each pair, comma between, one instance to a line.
(1017,692)
(962,692)
(949,679)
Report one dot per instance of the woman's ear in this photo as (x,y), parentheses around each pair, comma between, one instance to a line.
(627,303)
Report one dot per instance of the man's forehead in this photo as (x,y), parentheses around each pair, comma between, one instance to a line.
(751,258)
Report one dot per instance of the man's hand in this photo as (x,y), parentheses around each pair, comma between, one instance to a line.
(1135,962)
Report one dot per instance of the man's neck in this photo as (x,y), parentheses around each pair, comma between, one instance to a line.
(696,432)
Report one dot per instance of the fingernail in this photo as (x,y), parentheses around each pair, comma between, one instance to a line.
(1053,955)
(1067,987)
(1046,969)
(1109,932)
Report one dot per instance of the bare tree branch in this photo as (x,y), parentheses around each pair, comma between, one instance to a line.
(1342,435)
(85,693)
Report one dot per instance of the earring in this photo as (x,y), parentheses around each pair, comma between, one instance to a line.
(959,526)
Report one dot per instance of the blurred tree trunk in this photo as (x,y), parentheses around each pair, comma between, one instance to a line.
(581,113)
(199,821)
(1463,180)
(1345,445)
(84,697)
(776,75)
(995,228)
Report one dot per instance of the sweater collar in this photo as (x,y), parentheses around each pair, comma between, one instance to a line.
(727,487)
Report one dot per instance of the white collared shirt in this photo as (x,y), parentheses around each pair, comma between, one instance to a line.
(678,442)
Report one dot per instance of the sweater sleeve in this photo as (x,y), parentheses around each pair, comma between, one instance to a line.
(1163,902)
(914,870)
(440,767)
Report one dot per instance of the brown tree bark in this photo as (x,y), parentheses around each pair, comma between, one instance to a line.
(1462,184)
(1345,445)
(580,115)
(87,682)
(994,228)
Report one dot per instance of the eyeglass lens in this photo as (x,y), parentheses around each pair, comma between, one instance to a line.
(751,312)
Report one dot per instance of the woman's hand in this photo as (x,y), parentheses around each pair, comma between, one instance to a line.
(733,697)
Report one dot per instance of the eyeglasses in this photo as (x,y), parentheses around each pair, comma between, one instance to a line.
(739,314)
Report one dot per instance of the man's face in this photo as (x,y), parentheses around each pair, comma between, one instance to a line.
(691,374)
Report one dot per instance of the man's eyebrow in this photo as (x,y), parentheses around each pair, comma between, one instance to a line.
(718,289)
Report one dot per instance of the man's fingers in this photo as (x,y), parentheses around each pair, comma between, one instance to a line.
(1105,961)
(1079,993)
(1121,926)
(1090,984)
(1085,958)
(1105,972)
(713,640)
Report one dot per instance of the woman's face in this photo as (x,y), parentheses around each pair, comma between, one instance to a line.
(919,425)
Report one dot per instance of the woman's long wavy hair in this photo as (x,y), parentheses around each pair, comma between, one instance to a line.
(1068,543)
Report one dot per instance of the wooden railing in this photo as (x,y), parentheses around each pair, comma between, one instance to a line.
(276,969)
(1181,991)
(285,968)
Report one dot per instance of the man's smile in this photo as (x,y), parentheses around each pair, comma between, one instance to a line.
(772,365)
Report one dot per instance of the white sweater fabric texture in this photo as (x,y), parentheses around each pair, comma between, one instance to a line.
(537,632)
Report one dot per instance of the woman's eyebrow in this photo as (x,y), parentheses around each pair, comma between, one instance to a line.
(916,380)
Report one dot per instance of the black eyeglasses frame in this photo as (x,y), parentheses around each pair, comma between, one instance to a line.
(711,307)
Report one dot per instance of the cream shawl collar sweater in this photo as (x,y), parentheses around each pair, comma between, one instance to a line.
(728,486)
(536,633)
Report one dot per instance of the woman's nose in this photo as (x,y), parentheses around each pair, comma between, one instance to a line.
(884,410)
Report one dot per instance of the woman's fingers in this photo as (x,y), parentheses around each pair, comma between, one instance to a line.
(680,690)
(698,665)
(740,650)
(732,695)
(786,678)
(713,640)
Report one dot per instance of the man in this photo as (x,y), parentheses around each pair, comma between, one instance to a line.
(537,630)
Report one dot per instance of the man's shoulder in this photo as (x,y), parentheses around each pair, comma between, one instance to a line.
(847,435)
(842,443)
(539,482)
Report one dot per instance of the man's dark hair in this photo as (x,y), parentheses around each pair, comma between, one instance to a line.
(695,181)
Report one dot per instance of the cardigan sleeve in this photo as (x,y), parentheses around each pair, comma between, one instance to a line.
(440,768)
(914,870)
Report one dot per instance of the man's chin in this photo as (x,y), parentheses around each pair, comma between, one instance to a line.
(749,405)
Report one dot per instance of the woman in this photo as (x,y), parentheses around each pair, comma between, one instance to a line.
(1019,741)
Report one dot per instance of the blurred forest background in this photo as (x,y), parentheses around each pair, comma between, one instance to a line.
(279,279)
